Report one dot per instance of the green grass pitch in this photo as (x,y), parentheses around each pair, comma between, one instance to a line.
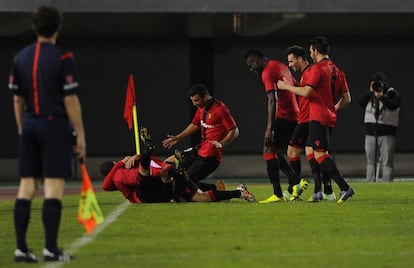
(375,228)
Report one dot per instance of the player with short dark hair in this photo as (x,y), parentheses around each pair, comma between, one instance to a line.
(297,61)
(217,128)
(341,98)
(282,112)
(44,82)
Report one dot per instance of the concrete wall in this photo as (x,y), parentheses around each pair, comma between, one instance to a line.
(163,75)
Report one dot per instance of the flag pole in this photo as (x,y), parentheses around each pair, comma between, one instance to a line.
(136,133)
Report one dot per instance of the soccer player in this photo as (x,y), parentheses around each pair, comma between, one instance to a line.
(147,179)
(45,85)
(217,127)
(296,57)
(282,111)
(341,98)
(322,114)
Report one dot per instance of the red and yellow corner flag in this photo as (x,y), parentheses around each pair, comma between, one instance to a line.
(89,213)
(129,102)
(130,111)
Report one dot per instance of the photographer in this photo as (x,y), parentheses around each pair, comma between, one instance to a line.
(382,106)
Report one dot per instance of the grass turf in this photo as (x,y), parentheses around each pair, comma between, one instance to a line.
(375,228)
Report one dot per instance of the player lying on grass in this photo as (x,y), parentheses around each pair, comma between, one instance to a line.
(147,179)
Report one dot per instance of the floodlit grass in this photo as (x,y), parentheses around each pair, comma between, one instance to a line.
(375,228)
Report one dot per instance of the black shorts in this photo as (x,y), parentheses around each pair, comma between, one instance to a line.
(300,135)
(283,131)
(46,148)
(184,190)
(151,189)
(198,167)
(318,136)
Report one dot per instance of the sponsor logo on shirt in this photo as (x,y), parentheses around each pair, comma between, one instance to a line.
(204,125)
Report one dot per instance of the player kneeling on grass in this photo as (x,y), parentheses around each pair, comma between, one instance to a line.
(147,179)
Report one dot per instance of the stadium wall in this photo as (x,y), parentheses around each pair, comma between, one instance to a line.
(164,71)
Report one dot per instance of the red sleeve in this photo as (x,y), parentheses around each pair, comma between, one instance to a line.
(228,119)
(268,81)
(108,183)
(344,84)
(274,71)
(311,77)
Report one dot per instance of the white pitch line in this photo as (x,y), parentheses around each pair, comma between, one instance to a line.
(85,239)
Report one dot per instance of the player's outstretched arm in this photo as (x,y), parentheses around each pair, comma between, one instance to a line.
(171,140)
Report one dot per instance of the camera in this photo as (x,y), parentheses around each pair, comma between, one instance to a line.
(378,86)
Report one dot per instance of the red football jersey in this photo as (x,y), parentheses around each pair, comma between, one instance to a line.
(287,106)
(214,125)
(126,180)
(303,102)
(339,84)
(322,109)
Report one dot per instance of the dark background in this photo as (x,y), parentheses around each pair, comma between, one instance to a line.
(167,49)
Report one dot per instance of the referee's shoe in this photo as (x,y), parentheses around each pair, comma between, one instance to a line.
(57,255)
(22,256)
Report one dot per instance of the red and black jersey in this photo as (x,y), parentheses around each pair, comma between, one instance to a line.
(214,123)
(339,85)
(43,74)
(303,102)
(321,105)
(126,180)
(287,106)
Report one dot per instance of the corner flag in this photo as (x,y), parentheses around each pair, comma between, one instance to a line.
(89,213)
(129,102)
(130,111)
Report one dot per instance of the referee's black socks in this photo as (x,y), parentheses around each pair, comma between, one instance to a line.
(21,214)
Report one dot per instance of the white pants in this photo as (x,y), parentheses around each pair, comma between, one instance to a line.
(385,152)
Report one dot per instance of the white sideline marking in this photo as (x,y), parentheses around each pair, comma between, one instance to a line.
(85,239)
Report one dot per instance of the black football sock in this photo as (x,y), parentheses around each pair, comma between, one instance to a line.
(316,174)
(327,185)
(174,171)
(328,166)
(296,165)
(145,160)
(21,214)
(288,171)
(272,168)
(206,186)
(51,214)
(224,195)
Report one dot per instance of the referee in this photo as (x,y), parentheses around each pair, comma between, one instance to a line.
(44,84)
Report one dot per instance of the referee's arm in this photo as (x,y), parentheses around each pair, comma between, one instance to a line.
(74,111)
(18,103)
